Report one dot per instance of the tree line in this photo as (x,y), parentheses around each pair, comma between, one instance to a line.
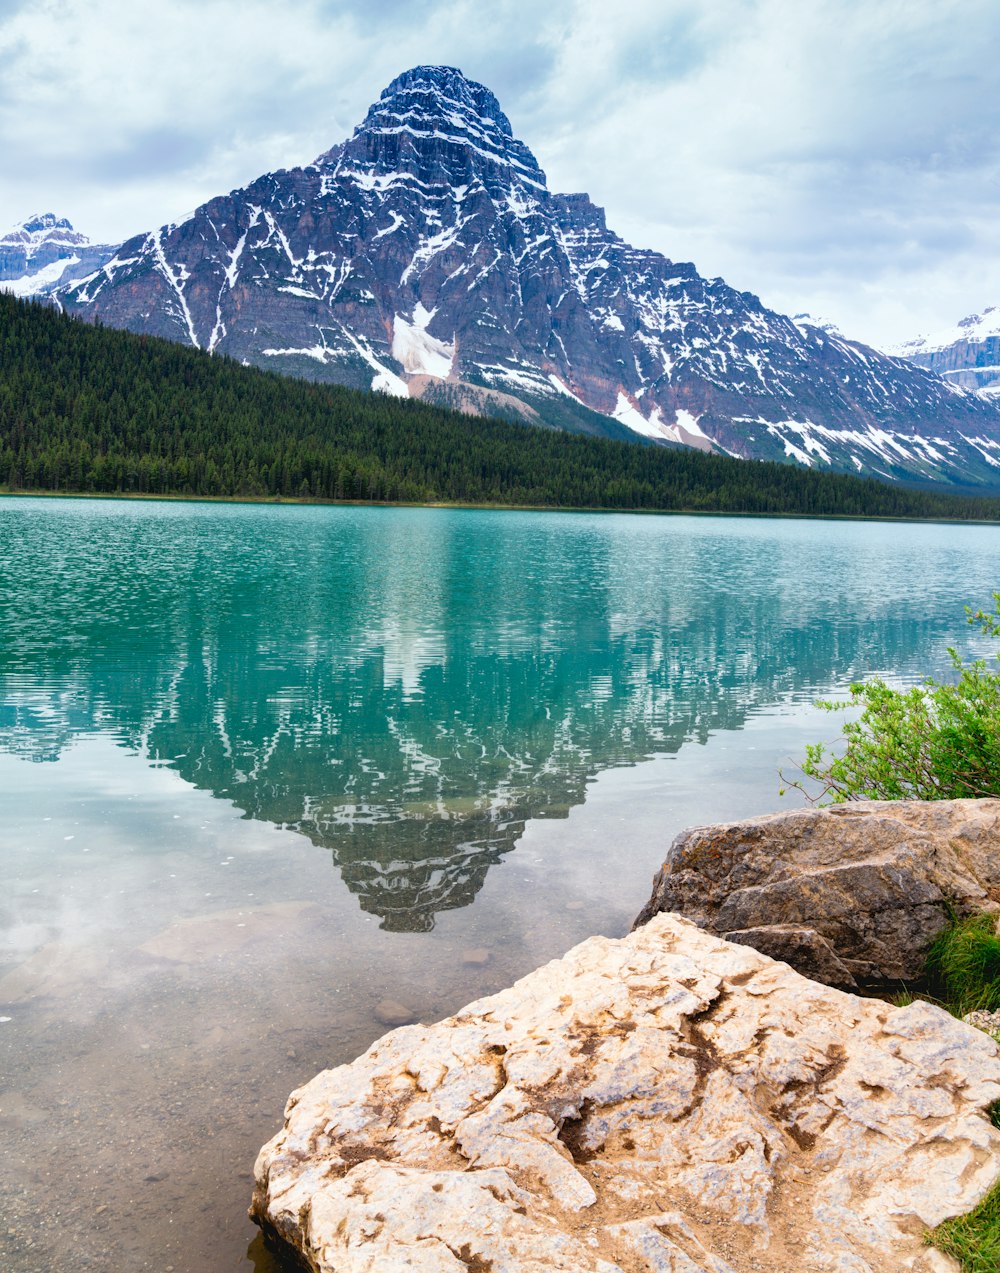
(88,409)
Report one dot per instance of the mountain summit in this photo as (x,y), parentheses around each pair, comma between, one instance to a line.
(434,123)
(44,251)
(425,256)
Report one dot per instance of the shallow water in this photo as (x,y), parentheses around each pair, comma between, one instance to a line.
(263,768)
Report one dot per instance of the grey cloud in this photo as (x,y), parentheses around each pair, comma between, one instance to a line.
(678,49)
(152,151)
(515,72)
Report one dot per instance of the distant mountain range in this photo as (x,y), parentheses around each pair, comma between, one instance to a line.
(425,256)
(966,355)
(45,251)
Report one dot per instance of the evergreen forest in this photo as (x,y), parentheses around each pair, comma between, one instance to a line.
(87,409)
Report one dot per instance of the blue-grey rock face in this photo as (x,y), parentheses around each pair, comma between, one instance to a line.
(966,355)
(425,255)
(44,252)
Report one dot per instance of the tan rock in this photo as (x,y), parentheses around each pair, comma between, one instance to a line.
(850,895)
(669,1101)
(392,1012)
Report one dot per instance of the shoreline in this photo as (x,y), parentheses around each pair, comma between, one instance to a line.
(297,501)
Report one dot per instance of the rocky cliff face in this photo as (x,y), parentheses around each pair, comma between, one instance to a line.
(45,252)
(967,355)
(425,255)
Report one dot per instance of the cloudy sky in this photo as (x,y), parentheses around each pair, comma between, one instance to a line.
(840,157)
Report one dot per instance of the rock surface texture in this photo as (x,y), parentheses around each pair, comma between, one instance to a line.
(852,895)
(668,1101)
(426,256)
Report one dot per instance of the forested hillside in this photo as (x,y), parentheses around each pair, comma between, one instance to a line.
(87,409)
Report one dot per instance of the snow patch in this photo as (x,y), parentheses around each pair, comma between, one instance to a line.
(628,414)
(529,381)
(689,424)
(397,221)
(559,387)
(685,429)
(386,381)
(31,284)
(300,291)
(430,248)
(984,446)
(421,353)
(176,280)
(320,352)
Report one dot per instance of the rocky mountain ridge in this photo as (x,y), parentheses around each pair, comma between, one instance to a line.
(44,252)
(966,355)
(426,256)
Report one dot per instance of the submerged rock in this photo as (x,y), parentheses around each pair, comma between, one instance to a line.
(851,895)
(392,1012)
(668,1101)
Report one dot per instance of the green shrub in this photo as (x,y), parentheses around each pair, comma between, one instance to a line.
(932,742)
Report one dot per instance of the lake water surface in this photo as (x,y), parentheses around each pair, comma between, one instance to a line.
(263,768)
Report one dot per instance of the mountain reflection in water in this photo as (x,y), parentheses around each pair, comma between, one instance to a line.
(408,687)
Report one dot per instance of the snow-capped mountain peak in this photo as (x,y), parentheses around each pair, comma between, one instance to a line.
(802,321)
(40,232)
(42,251)
(972,328)
(966,355)
(425,256)
(433,122)
(40,226)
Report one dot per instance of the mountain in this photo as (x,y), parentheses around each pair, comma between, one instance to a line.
(45,251)
(425,256)
(966,355)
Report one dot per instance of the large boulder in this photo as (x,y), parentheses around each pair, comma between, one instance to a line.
(852,895)
(668,1101)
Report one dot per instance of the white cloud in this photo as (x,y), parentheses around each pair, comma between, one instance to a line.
(842,158)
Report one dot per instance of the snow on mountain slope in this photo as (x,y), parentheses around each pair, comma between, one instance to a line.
(425,254)
(44,251)
(966,355)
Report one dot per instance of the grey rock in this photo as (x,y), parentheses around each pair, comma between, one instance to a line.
(392,1012)
(852,895)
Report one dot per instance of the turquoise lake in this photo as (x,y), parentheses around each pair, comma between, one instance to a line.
(264,768)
